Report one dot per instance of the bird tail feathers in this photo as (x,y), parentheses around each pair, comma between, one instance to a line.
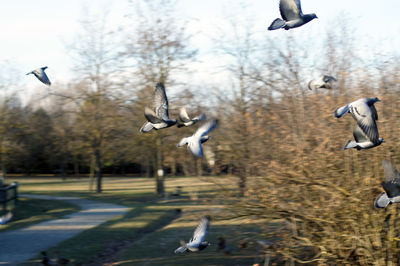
(277,24)
(350,144)
(182,248)
(146,127)
(382,201)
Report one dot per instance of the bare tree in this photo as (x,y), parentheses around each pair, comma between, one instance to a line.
(159,50)
(97,63)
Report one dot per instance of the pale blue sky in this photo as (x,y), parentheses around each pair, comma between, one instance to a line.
(34,33)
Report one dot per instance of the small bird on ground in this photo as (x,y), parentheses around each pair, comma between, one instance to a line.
(391,186)
(159,118)
(6,218)
(222,245)
(185,120)
(292,16)
(324,82)
(197,242)
(46,260)
(366,131)
(41,75)
(200,136)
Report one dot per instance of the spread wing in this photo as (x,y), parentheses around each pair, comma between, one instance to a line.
(290,9)
(364,116)
(161,102)
(44,78)
(341,111)
(200,231)
(195,147)
(391,172)
(183,115)
(374,112)
(392,183)
(206,128)
(327,78)
(359,135)
(151,116)
(41,75)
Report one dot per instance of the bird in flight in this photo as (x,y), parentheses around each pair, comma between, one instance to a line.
(324,82)
(391,186)
(186,121)
(200,136)
(41,75)
(365,132)
(292,16)
(159,118)
(197,242)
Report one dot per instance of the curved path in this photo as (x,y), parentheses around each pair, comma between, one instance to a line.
(23,244)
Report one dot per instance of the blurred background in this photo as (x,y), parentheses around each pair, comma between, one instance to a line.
(277,142)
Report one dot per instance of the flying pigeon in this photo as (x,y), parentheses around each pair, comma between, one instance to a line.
(6,218)
(185,120)
(200,136)
(391,186)
(292,16)
(158,118)
(365,132)
(197,242)
(324,82)
(41,75)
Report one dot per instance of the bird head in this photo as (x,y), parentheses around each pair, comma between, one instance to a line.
(309,17)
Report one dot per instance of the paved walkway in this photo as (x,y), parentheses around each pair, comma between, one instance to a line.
(23,244)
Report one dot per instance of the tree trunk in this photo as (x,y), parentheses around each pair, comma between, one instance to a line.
(76,167)
(159,166)
(91,173)
(97,155)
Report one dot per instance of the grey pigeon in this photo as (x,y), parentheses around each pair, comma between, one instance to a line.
(185,120)
(366,131)
(6,218)
(159,118)
(324,82)
(41,75)
(197,242)
(200,136)
(391,186)
(292,16)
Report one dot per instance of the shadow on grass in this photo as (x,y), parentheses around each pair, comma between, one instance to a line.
(158,248)
(100,244)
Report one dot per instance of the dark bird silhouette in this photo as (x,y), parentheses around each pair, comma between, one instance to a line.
(46,260)
(223,246)
(292,16)
(41,75)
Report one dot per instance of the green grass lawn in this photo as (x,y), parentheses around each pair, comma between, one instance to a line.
(149,233)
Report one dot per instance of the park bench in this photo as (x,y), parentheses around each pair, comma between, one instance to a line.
(8,195)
